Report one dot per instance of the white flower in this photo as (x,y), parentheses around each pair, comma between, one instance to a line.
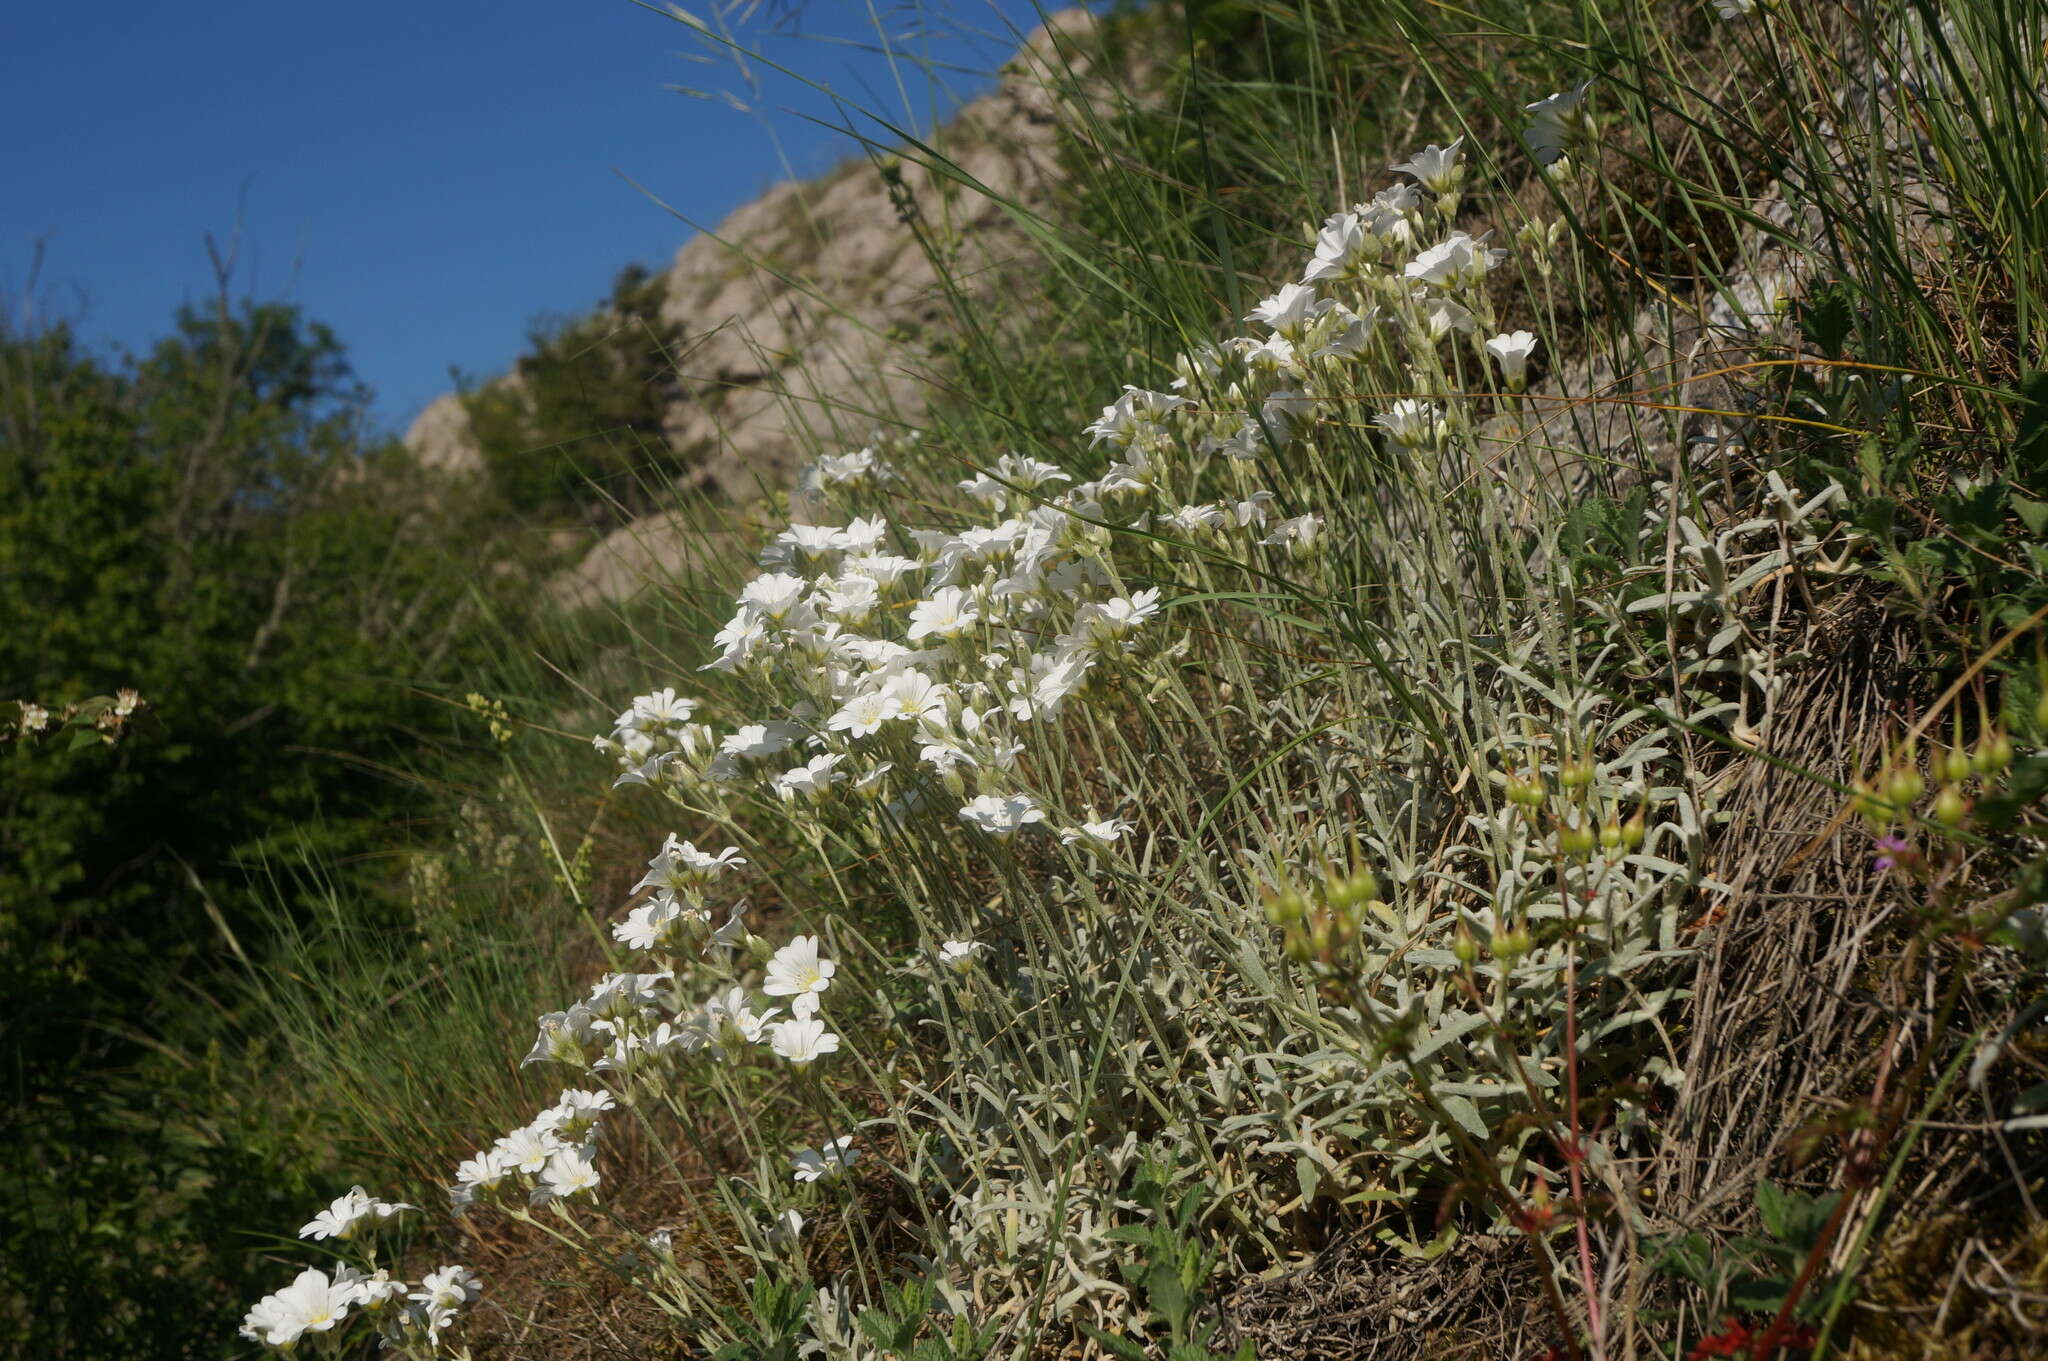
(915,697)
(1442,316)
(310,1304)
(803,1041)
(809,780)
(575,1115)
(1456,261)
(785,1228)
(647,926)
(570,1172)
(1192,520)
(679,865)
(796,971)
(774,594)
(862,714)
(755,740)
(1000,816)
(959,955)
(371,1292)
(660,709)
(852,599)
(1410,422)
(34,717)
(1734,9)
(884,569)
(811,542)
(1511,351)
(1289,311)
(949,613)
(824,1164)
(1551,123)
(351,1212)
(451,1287)
(729,1020)
(526,1150)
(1437,167)
(1297,536)
(1343,248)
(1103,624)
(1099,835)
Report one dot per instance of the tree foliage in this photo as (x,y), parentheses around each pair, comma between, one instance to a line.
(210,524)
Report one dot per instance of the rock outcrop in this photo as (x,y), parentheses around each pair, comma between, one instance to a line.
(798,314)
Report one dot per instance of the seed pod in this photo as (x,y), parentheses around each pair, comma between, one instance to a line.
(1904,788)
(1950,807)
(1953,765)
(1286,907)
(1632,832)
(1575,840)
(1994,753)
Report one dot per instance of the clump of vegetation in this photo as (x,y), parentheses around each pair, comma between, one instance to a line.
(1490,799)
(207,523)
(576,428)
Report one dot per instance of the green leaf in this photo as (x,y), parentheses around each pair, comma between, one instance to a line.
(1116,1346)
(1308,1176)
(2030,445)
(2033,514)
(1825,318)
(1773,1208)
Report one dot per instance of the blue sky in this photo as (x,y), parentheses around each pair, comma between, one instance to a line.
(423,175)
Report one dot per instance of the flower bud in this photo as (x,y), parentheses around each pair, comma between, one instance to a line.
(1286,907)
(1575,839)
(1904,788)
(1319,937)
(1509,946)
(1465,949)
(1953,765)
(1296,946)
(1610,835)
(1575,774)
(1994,753)
(1950,807)
(1632,832)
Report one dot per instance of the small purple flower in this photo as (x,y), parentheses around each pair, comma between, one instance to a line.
(1893,851)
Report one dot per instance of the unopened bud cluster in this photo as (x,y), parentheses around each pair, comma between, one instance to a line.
(1573,813)
(1319,928)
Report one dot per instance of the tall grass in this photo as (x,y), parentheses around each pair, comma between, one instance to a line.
(1432,816)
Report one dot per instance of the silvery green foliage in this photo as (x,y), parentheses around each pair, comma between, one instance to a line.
(1101,990)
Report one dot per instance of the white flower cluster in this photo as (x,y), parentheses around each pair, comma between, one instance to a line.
(414,1321)
(909,665)
(552,1157)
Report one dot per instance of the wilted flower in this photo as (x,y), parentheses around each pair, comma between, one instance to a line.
(824,1164)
